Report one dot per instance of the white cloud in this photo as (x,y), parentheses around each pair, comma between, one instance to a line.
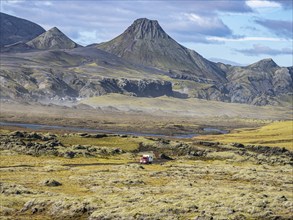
(48,3)
(87,36)
(42,3)
(224,39)
(258,4)
(262,49)
(13,1)
(187,27)
(203,21)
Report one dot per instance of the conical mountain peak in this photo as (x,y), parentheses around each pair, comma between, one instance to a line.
(52,39)
(54,29)
(145,42)
(147,22)
(144,28)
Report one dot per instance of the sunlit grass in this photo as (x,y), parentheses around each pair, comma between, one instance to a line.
(158,188)
(275,134)
(192,106)
(126,144)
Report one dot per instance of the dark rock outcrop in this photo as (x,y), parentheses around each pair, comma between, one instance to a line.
(51,182)
(146,88)
(165,157)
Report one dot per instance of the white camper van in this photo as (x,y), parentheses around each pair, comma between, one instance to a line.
(146,159)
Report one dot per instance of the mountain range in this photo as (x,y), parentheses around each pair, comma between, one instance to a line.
(143,61)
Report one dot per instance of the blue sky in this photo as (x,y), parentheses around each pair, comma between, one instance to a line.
(240,31)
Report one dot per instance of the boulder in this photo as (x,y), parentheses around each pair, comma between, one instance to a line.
(51,182)
(69,154)
(239,145)
(17,134)
(165,157)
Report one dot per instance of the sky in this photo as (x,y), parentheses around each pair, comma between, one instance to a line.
(232,31)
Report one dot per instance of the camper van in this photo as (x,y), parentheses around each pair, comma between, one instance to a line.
(146,159)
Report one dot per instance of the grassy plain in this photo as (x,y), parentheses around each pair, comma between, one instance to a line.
(190,107)
(203,180)
(127,144)
(277,134)
(223,183)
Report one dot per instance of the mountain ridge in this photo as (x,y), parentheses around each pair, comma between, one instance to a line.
(14,29)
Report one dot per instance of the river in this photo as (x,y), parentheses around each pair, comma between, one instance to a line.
(80,129)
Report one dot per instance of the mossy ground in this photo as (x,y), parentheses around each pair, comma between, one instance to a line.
(224,185)
(171,189)
(126,144)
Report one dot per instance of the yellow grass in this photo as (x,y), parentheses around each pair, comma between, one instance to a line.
(192,107)
(126,144)
(275,134)
(177,184)
(27,160)
(93,65)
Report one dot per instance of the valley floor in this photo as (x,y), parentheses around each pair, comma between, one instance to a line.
(61,174)
(162,115)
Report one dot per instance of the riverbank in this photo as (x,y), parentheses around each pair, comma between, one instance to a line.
(41,127)
(86,117)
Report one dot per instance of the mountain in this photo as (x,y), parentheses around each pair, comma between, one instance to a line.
(52,39)
(143,61)
(260,83)
(264,65)
(146,43)
(57,75)
(13,30)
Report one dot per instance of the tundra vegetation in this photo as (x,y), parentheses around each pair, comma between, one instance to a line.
(71,175)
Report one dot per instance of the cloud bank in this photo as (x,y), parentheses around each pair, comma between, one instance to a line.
(259,49)
(278,27)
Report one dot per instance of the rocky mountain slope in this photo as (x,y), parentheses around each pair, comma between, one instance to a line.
(52,39)
(13,30)
(143,61)
(259,83)
(67,75)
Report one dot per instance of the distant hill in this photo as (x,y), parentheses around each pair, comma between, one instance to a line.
(13,30)
(52,39)
(261,83)
(229,62)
